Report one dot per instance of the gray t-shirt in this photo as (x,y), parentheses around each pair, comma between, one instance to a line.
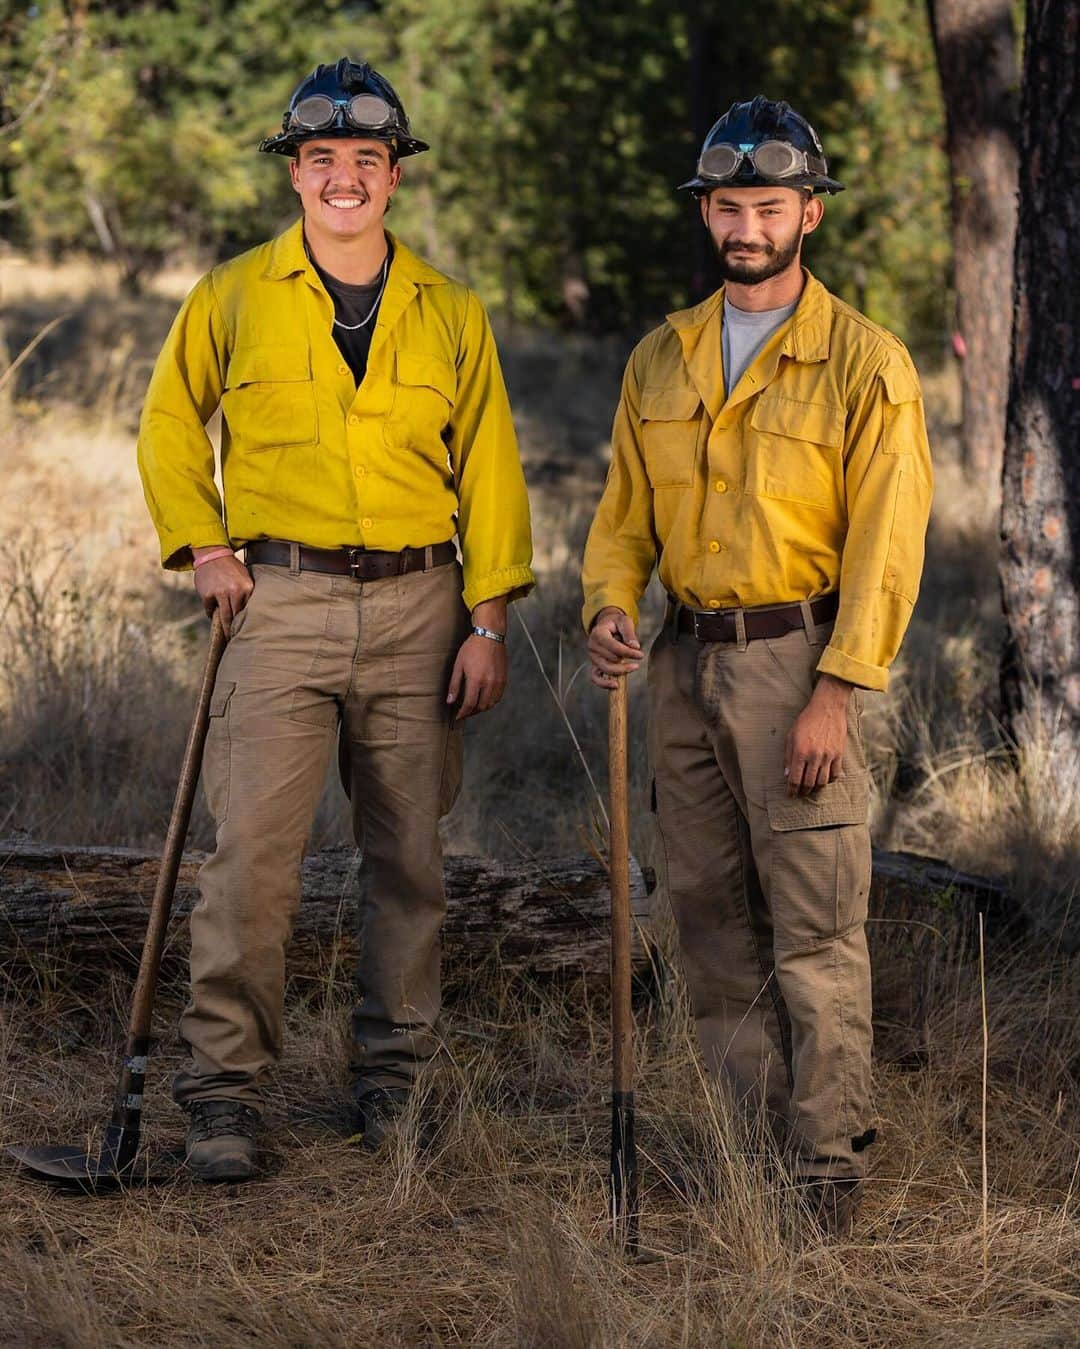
(743,334)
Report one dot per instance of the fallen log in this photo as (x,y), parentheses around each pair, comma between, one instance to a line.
(82,906)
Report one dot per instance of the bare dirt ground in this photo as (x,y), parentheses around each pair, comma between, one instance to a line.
(493,1230)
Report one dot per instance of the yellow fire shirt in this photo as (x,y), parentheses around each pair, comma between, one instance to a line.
(813,476)
(424,449)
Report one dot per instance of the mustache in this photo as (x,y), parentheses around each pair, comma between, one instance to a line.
(731,245)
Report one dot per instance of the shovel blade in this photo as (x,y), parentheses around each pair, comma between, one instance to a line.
(68,1166)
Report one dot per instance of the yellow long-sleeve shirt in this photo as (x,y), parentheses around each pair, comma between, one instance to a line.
(813,475)
(424,449)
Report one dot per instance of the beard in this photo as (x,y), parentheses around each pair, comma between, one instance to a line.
(768,259)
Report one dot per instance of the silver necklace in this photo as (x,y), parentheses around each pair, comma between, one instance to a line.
(352,327)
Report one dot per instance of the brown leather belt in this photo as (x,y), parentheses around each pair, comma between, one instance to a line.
(362,564)
(775,620)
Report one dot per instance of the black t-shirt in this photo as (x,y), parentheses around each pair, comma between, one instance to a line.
(356,311)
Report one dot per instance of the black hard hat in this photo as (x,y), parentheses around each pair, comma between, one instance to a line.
(348,99)
(790,152)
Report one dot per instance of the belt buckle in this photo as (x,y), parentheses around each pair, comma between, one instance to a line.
(355,557)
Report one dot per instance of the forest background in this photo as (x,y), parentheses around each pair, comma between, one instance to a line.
(559,132)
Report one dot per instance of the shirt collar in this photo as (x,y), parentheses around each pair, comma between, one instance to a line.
(807,339)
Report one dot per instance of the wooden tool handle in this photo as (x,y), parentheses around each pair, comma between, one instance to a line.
(146,983)
(619,869)
(623,1177)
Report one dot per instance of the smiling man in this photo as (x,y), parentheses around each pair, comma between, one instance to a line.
(770,448)
(364,425)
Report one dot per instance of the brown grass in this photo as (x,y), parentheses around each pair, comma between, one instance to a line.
(494,1233)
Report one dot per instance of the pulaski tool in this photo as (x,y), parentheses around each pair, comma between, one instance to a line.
(623,1174)
(115,1164)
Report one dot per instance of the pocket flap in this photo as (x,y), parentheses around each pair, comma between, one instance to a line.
(901,384)
(418,369)
(669,405)
(845,801)
(219,699)
(259,364)
(816,422)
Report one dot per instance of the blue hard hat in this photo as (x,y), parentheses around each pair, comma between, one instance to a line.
(349,99)
(762,143)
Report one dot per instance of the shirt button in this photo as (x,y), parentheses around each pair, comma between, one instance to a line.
(354,420)
(359,470)
(344,370)
(721,485)
(714,547)
(367,522)
(714,604)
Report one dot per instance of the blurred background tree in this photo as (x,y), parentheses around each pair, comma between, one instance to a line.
(559,132)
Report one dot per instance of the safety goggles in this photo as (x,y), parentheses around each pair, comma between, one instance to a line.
(771,159)
(365,112)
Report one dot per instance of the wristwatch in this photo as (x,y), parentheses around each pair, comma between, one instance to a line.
(486,632)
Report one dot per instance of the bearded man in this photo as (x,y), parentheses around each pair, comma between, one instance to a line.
(770,450)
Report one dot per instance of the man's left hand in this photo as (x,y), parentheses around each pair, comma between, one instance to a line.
(481,669)
(814,752)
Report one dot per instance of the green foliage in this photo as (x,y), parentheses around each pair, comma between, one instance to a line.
(890,229)
(145,142)
(558,129)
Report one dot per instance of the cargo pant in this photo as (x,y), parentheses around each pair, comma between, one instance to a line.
(309,655)
(769,891)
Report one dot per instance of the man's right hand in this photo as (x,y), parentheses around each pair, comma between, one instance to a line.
(223,584)
(614,648)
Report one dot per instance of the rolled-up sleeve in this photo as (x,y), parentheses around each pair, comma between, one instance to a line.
(493,504)
(620,552)
(175,455)
(888,485)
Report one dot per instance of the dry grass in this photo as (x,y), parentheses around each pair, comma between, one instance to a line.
(495,1232)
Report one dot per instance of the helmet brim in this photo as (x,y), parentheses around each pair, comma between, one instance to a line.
(288,142)
(818,182)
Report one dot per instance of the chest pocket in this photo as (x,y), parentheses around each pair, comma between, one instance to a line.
(269,398)
(425,387)
(671,428)
(795,451)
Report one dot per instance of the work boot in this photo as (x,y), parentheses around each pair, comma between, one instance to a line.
(832,1204)
(221,1140)
(376,1111)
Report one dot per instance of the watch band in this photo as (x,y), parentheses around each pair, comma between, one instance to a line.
(486,632)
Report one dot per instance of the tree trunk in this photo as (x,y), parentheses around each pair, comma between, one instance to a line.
(80,907)
(1040,523)
(976,56)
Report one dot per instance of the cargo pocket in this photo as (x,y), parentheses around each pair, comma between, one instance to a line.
(820,863)
(904,557)
(671,427)
(216,755)
(796,451)
(845,801)
(269,399)
(424,393)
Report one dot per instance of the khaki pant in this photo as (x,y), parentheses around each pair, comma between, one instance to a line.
(769,892)
(311,654)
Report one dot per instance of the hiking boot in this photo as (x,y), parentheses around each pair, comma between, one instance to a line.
(832,1204)
(221,1140)
(376,1111)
